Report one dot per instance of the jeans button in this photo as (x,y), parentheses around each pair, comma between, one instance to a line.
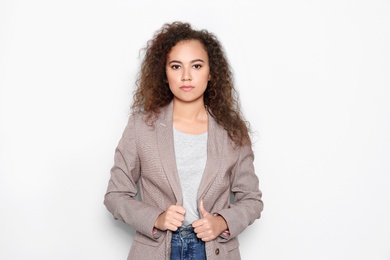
(217,251)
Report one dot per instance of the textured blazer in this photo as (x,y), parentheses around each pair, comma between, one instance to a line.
(145,164)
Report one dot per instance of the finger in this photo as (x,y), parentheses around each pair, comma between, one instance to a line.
(178,209)
(179,218)
(176,223)
(196,223)
(204,237)
(174,218)
(198,228)
(202,210)
(172,227)
(179,214)
(176,212)
(207,239)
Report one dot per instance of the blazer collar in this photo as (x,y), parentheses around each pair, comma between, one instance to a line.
(216,138)
(215,147)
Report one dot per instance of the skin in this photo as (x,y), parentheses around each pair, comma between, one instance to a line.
(209,226)
(188,72)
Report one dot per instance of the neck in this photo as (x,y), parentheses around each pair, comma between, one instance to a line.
(189,111)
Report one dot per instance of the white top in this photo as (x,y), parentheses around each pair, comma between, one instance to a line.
(191,157)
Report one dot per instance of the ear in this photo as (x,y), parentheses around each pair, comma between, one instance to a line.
(209,77)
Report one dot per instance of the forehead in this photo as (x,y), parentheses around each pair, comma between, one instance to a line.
(188,49)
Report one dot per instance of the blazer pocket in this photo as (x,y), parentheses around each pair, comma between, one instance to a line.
(227,250)
(228,244)
(140,238)
(232,244)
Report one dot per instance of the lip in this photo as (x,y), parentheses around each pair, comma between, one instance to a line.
(186,88)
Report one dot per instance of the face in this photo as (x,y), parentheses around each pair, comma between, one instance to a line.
(188,71)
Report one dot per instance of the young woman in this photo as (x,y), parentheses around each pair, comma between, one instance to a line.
(185,151)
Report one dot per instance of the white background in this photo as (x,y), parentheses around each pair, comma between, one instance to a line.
(314,81)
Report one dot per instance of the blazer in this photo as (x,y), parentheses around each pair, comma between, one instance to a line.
(144,183)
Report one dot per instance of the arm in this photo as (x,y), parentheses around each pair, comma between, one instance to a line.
(122,187)
(247,204)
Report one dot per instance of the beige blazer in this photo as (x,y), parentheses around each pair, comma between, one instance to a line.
(145,158)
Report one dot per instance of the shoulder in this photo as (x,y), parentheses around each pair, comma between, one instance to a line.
(143,121)
(138,122)
(221,133)
(150,118)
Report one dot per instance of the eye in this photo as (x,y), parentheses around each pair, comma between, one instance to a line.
(197,66)
(175,67)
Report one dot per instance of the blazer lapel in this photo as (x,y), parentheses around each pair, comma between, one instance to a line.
(167,151)
(215,147)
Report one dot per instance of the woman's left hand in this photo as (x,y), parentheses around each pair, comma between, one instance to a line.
(209,226)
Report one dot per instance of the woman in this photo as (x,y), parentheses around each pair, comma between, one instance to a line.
(185,150)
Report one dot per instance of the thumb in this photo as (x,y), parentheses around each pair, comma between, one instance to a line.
(203,211)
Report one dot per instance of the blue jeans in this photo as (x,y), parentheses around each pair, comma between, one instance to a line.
(186,246)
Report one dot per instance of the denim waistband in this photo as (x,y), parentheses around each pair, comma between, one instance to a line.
(184,230)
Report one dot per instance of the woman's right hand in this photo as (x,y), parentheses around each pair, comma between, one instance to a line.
(171,219)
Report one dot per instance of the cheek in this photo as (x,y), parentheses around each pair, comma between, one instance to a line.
(169,79)
(172,77)
(171,82)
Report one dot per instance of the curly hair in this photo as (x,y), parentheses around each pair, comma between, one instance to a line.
(220,97)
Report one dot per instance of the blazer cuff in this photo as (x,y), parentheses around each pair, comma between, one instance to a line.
(225,235)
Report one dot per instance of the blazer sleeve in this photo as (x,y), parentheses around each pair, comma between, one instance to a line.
(247,204)
(120,198)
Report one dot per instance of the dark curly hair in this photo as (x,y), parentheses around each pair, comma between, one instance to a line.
(220,97)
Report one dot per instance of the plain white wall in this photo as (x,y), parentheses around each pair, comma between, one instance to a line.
(314,81)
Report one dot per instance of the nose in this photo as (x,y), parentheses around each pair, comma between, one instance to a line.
(186,75)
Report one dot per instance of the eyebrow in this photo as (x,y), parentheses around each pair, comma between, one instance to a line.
(193,61)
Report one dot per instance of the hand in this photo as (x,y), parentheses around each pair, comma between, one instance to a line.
(209,226)
(171,219)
